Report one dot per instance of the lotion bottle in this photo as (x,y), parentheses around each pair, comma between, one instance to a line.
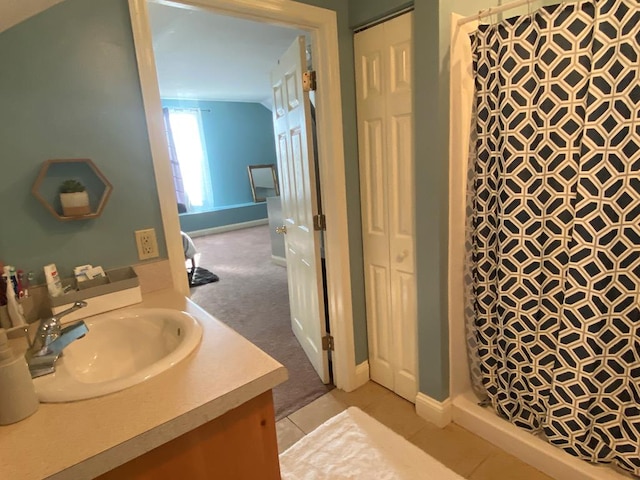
(18,398)
(54,284)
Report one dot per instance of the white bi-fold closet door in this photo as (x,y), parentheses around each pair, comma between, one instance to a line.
(384,59)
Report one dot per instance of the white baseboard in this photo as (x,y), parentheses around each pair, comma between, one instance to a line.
(522,444)
(438,413)
(357,377)
(362,374)
(228,228)
(279,261)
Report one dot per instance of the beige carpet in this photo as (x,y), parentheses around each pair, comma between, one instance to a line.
(352,445)
(252,297)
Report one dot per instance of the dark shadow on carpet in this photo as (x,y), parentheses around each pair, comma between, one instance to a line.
(201,276)
(252,297)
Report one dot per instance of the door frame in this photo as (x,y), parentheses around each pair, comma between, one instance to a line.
(322,25)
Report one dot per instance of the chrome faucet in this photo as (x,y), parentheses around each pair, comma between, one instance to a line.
(51,339)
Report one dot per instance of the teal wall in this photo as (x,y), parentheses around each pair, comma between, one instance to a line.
(352,182)
(236,135)
(94,63)
(69,88)
(431,204)
(362,12)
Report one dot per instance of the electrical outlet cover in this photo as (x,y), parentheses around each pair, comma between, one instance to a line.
(147,244)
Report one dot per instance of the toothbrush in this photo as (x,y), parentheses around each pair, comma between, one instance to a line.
(3,291)
(27,281)
(21,287)
(14,279)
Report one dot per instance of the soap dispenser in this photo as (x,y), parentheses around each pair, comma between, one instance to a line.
(18,398)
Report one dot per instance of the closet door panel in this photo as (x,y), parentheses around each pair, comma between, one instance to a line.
(372,139)
(405,341)
(400,187)
(384,75)
(381,364)
(399,108)
(374,176)
(402,250)
(371,73)
(400,63)
(401,193)
(371,84)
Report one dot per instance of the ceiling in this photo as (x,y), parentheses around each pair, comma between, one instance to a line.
(206,56)
(13,12)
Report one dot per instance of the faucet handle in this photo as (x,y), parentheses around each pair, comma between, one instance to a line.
(49,328)
(47,331)
(76,306)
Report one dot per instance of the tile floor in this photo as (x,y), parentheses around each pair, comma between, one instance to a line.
(462,451)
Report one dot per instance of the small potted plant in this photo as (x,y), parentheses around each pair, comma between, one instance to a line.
(74,199)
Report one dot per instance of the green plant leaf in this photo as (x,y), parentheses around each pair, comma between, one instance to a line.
(71,186)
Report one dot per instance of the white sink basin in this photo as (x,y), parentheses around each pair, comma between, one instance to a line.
(121,349)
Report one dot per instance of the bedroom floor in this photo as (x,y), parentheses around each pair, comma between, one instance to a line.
(463,452)
(252,297)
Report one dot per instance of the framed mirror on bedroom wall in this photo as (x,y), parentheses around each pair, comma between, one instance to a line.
(264,182)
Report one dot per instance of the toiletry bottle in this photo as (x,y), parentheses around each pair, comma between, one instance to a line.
(5,321)
(16,313)
(18,398)
(54,285)
(6,273)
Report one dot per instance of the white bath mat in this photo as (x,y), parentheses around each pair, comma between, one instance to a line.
(352,445)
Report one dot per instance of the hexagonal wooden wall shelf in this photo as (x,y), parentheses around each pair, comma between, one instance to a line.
(56,171)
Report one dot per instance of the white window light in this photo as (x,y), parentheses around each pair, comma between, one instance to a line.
(186,128)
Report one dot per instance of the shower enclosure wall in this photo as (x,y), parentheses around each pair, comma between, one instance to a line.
(466,410)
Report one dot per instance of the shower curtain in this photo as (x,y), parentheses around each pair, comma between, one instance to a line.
(555,225)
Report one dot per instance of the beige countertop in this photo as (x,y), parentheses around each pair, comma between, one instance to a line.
(80,440)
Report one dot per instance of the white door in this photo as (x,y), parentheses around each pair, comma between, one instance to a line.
(294,147)
(383,56)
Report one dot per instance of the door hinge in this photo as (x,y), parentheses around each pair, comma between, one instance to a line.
(309,81)
(327,343)
(319,222)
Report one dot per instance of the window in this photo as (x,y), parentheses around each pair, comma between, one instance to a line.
(190,150)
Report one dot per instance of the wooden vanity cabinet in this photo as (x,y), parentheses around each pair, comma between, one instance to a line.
(239,445)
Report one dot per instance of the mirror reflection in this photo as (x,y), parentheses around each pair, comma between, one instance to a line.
(264,182)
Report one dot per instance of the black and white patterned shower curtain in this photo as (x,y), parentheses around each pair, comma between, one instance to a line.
(555,225)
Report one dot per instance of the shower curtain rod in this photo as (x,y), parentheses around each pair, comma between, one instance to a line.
(494,10)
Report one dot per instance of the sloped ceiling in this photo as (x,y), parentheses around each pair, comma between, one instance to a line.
(199,54)
(202,55)
(13,12)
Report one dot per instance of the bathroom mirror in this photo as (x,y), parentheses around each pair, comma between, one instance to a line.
(264,182)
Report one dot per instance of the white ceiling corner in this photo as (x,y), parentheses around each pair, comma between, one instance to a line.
(205,56)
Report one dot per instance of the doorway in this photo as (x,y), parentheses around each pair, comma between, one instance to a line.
(322,26)
(213,73)
(252,298)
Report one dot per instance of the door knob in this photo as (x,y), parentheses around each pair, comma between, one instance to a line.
(282,230)
(400,258)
